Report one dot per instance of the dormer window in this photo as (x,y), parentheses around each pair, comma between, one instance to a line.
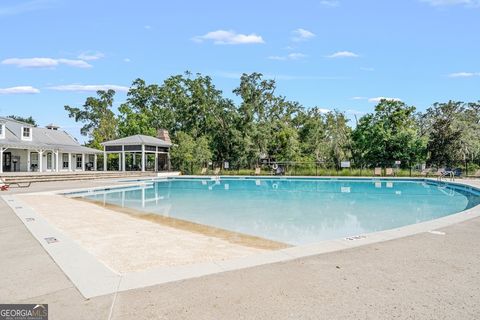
(27,133)
(2,130)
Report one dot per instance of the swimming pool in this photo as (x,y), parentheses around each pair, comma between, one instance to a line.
(295,211)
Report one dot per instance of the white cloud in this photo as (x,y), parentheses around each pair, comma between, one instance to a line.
(378,99)
(24,6)
(324,110)
(89,87)
(74,63)
(229,37)
(147,27)
(355,112)
(291,56)
(296,56)
(443,3)
(44,62)
(302,35)
(359,98)
(464,74)
(89,55)
(343,54)
(278,58)
(126,60)
(330,3)
(19,90)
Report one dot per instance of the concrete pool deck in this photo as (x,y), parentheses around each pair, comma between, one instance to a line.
(428,275)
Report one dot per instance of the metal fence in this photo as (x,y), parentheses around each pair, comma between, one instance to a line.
(463,168)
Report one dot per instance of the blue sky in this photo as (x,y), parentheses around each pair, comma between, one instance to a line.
(340,54)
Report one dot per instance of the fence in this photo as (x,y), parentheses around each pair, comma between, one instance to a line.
(292,168)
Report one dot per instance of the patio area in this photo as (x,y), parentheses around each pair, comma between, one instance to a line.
(425,276)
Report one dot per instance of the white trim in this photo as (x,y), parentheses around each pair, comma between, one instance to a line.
(1,158)
(29,160)
(40,161)
(143,158)
(3,128)
(29,138)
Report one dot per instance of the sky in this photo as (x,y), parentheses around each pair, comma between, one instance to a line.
(334,54)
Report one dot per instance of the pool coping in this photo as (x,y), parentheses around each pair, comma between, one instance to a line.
(93,278)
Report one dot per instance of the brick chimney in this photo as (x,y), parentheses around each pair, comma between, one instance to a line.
(163,135)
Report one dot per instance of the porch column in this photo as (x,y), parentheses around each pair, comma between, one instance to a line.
(29,165)
(169,165)
(83,161)
(95,159)
(156,161)
(124,166)
(57,160)
(40,161)
(52,157)
(1,159)
(69,162)
(119,162)
(104,159)
(143,158)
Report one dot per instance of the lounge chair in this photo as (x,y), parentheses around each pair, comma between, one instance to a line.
(4,186)
(216,171)
(439,172)
(258,171)
(204,171)
(377,171)
(425,172)
(389,172)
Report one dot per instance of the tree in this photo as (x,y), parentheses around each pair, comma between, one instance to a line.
(389,134)
(206,126)
(453,130)
(28,120)
(187,154)
(337,138)
(100,123)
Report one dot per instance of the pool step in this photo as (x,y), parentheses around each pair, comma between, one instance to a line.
(50,177)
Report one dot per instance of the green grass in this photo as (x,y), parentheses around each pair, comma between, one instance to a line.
(314,172)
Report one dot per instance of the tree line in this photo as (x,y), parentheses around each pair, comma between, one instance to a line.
(207,127)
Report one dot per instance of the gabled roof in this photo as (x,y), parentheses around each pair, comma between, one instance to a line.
(42,138)
(138,140)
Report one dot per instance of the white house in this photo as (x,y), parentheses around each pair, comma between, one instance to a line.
(25,148)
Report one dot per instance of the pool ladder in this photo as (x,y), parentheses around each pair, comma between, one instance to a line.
(446,175)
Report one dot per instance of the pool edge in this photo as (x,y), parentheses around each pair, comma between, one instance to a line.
(102,283)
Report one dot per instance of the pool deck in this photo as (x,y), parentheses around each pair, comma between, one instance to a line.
(423,276)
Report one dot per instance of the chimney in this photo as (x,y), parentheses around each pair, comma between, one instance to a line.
(163,135)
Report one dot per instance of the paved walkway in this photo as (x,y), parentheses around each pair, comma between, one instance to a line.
(426,276)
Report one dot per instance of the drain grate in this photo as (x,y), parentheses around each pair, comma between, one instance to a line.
(29,219)
(51,240)
(355,238)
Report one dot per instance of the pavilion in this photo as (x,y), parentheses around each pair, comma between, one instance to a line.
(139,153)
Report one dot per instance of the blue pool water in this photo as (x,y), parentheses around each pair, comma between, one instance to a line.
(296,211)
